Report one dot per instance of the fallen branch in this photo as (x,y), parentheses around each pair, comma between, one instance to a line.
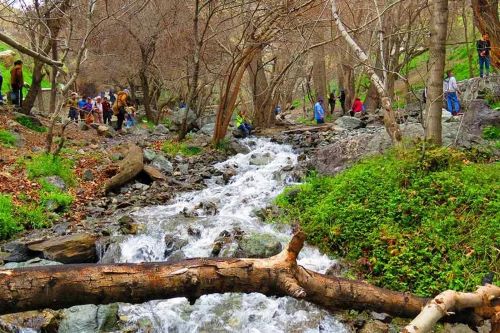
(130,167)
(449,302)
(23,49)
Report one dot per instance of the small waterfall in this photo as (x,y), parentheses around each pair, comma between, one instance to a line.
(259,177)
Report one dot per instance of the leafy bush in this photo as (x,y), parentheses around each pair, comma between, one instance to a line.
(173,148)
(491,133)
(57,198)
(27,122)
(414,222)
(8,223)
(7,138)
(32,217)
(43,165)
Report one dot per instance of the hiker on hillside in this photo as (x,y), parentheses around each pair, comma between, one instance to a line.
(331,102)
(17,83)
(107,113)
(122,101)
(357,107)
(483,50)
(97,110)
(451,91)
(87,111)
(342,101)
(112,97)
(319,112)
(72,105)
(243,124)
(81,104)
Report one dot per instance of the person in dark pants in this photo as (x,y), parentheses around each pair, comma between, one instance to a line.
(342,101)
(122,101)
(319,112)
(331,102)
(107,113)
(1,84)
(17,83)
(483,50)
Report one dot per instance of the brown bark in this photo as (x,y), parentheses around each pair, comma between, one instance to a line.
(319,72)
(130,167)
(487,21)
(260,91)
(64,286)
(35,87)
(439,27)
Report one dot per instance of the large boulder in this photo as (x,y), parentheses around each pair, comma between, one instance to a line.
(176,117)
(31,263)
(256,245)
(72,249)
(17,252)
(163,164)
(31,321)
(89,319)
(208,129)
(105,131)
(349,123)
(478,116)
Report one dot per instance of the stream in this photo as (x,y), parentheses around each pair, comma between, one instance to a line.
(258,178)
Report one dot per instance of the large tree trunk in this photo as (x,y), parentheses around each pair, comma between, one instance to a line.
(146,94)
(319,72)
(35,88)
(487,21)
(439,27)
(260,91)
(64,286)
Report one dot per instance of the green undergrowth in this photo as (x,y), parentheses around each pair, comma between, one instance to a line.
(44,165)
(28,123)
(174,148)
(416,221)
(7,138)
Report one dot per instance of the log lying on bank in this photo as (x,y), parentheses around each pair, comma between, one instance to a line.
(68,285)
(130,167)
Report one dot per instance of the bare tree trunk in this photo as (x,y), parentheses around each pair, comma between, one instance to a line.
(146,94)
(466,35)
(319,72)
(53,100)
(35,87)
(487,21)
(437,58)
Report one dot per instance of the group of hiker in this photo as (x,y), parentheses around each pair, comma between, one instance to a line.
(357,107)
(101,109)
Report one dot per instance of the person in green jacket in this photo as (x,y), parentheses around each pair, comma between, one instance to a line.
(242,124)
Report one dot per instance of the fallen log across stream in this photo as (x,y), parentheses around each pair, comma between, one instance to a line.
(68,285)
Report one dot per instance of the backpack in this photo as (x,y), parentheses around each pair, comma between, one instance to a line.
(119,102)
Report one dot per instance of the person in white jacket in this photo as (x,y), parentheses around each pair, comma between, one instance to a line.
(451,91)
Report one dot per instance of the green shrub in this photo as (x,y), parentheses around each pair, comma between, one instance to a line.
(57,199)
(8,223)
(44,165)
(27,122)
(32,217)
(491,133)
(173,148)
(7,138)
(414,222)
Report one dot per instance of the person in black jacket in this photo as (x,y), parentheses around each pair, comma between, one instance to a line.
(342,101)
(483,50)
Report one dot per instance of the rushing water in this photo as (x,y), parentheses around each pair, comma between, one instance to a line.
(251,188)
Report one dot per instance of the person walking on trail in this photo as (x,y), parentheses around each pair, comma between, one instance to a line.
(81,104)
(483,50)
(87,111)
(107,113)
(357,107)
(97,110)
(331,102)
(451,91)
(121,102)
(243,124)
(17,83)
(319,112)
(72,105)
(342,101)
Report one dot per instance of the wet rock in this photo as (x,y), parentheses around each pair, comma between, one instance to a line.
(163,164)
(128,225)
(173,243)
(176,256)
(149,155)
(72,249)
(56,181)
(153,173)
(349,123)
(256,245)
(208,129)
(17,252)
(89,319)
(46,321)
(237,148)
(383,317)
(228,174)
(112,254)
(208,208)
(260,159)
(194,232)
(457,328)
(161,129)
(107,318)
(375,326)
(31,263)
(88,175)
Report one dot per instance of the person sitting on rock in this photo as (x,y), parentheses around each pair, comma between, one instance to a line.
(243,124)
(319,112)
(357,106)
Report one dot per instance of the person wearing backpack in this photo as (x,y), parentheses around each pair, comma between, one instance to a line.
(121,102)
(451,91)
(17,83)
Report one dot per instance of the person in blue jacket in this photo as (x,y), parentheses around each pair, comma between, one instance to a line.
(319,112)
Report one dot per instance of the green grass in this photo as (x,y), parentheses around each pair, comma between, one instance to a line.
(173,148)
(7,138)
(59,200)
(412,222)
(28,123)
(8,224)
(43,165)
(491,133)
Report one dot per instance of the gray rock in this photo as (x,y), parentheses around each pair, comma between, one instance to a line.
(260,159)
(349,123)
(128,225)
(88,175)
(258,246)
(31,263)
(149,155)
(183,168)
(161,129)
(177,117)
(112,255)
(238,148)
(107,318)
(18,252)
(478,116)
(105,131)
(383,317)
(56,181)
(208,129)
(163,164)
(81,319)
(375,326)
(173,244)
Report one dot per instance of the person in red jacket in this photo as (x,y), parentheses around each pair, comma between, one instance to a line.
(357,106)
